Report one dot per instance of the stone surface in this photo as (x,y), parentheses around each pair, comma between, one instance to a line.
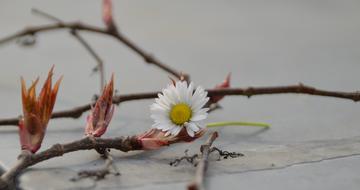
(153,167)
(262,43)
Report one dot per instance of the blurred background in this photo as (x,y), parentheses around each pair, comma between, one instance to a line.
(262,42)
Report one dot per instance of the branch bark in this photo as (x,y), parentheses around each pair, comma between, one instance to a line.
(148,58)
(249,92)
(82,41)
(26,160)
(101,172)
(205,149)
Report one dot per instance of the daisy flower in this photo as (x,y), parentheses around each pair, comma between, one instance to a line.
(180,108)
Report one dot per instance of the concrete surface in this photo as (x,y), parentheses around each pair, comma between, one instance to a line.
(313,142)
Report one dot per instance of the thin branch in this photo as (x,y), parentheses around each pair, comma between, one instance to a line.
(198,182)
(45,15)
(190,159)
(73,32)
(124,144)
(226,154)
(148,58)
(100,64)
(194,159)
(250,91)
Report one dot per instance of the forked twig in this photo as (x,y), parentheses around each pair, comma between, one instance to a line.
(73,32)
(148,58)
(198,182)
(124,144)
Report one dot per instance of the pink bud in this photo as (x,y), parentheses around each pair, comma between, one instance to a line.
(100,116)
(223,85)
(107,13)
(155,138)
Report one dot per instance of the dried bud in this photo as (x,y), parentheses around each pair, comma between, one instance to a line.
(156,138)
(107,14)
(223,85)
(37,112)
(101,114)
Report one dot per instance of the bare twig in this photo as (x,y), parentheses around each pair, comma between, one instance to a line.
(194,159)
(190,159)
(250,91)
(148,58)
(100,64)
(226,154)
(124,144)
(45,15)
(198,183)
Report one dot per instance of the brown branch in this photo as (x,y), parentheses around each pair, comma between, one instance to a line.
(198,182)
(194,159)
(100,64)
(89,49)
(45,15)
(250,91)
(124,144)
(148,58)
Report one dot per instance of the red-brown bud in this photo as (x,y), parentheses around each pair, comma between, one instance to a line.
(107,14)
(37,112)
(155,138)
(223,85)
(101,114)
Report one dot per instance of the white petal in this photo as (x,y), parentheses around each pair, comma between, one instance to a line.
(193,126)
(175,130)
(179,86)
(163,102)
(189,93)
(167,133)
(156,107)
(200,124)
(190,131)
(198,105)
(169,95)
(199,98)
(166,127)
(199,117)
(174,94)
(181,92)
(201,112)
(159,111)
(155,125)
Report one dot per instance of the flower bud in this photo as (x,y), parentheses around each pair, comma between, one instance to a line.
(107,14)
(101,114)
(37,112)
(223,85)
(156,138)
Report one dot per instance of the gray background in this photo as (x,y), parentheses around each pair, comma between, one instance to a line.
(263,43)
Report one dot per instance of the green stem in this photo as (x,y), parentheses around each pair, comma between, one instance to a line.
(237,123)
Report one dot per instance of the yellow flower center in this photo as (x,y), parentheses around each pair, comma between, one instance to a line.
(180,113)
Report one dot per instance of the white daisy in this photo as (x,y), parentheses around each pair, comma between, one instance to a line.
(178,106)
